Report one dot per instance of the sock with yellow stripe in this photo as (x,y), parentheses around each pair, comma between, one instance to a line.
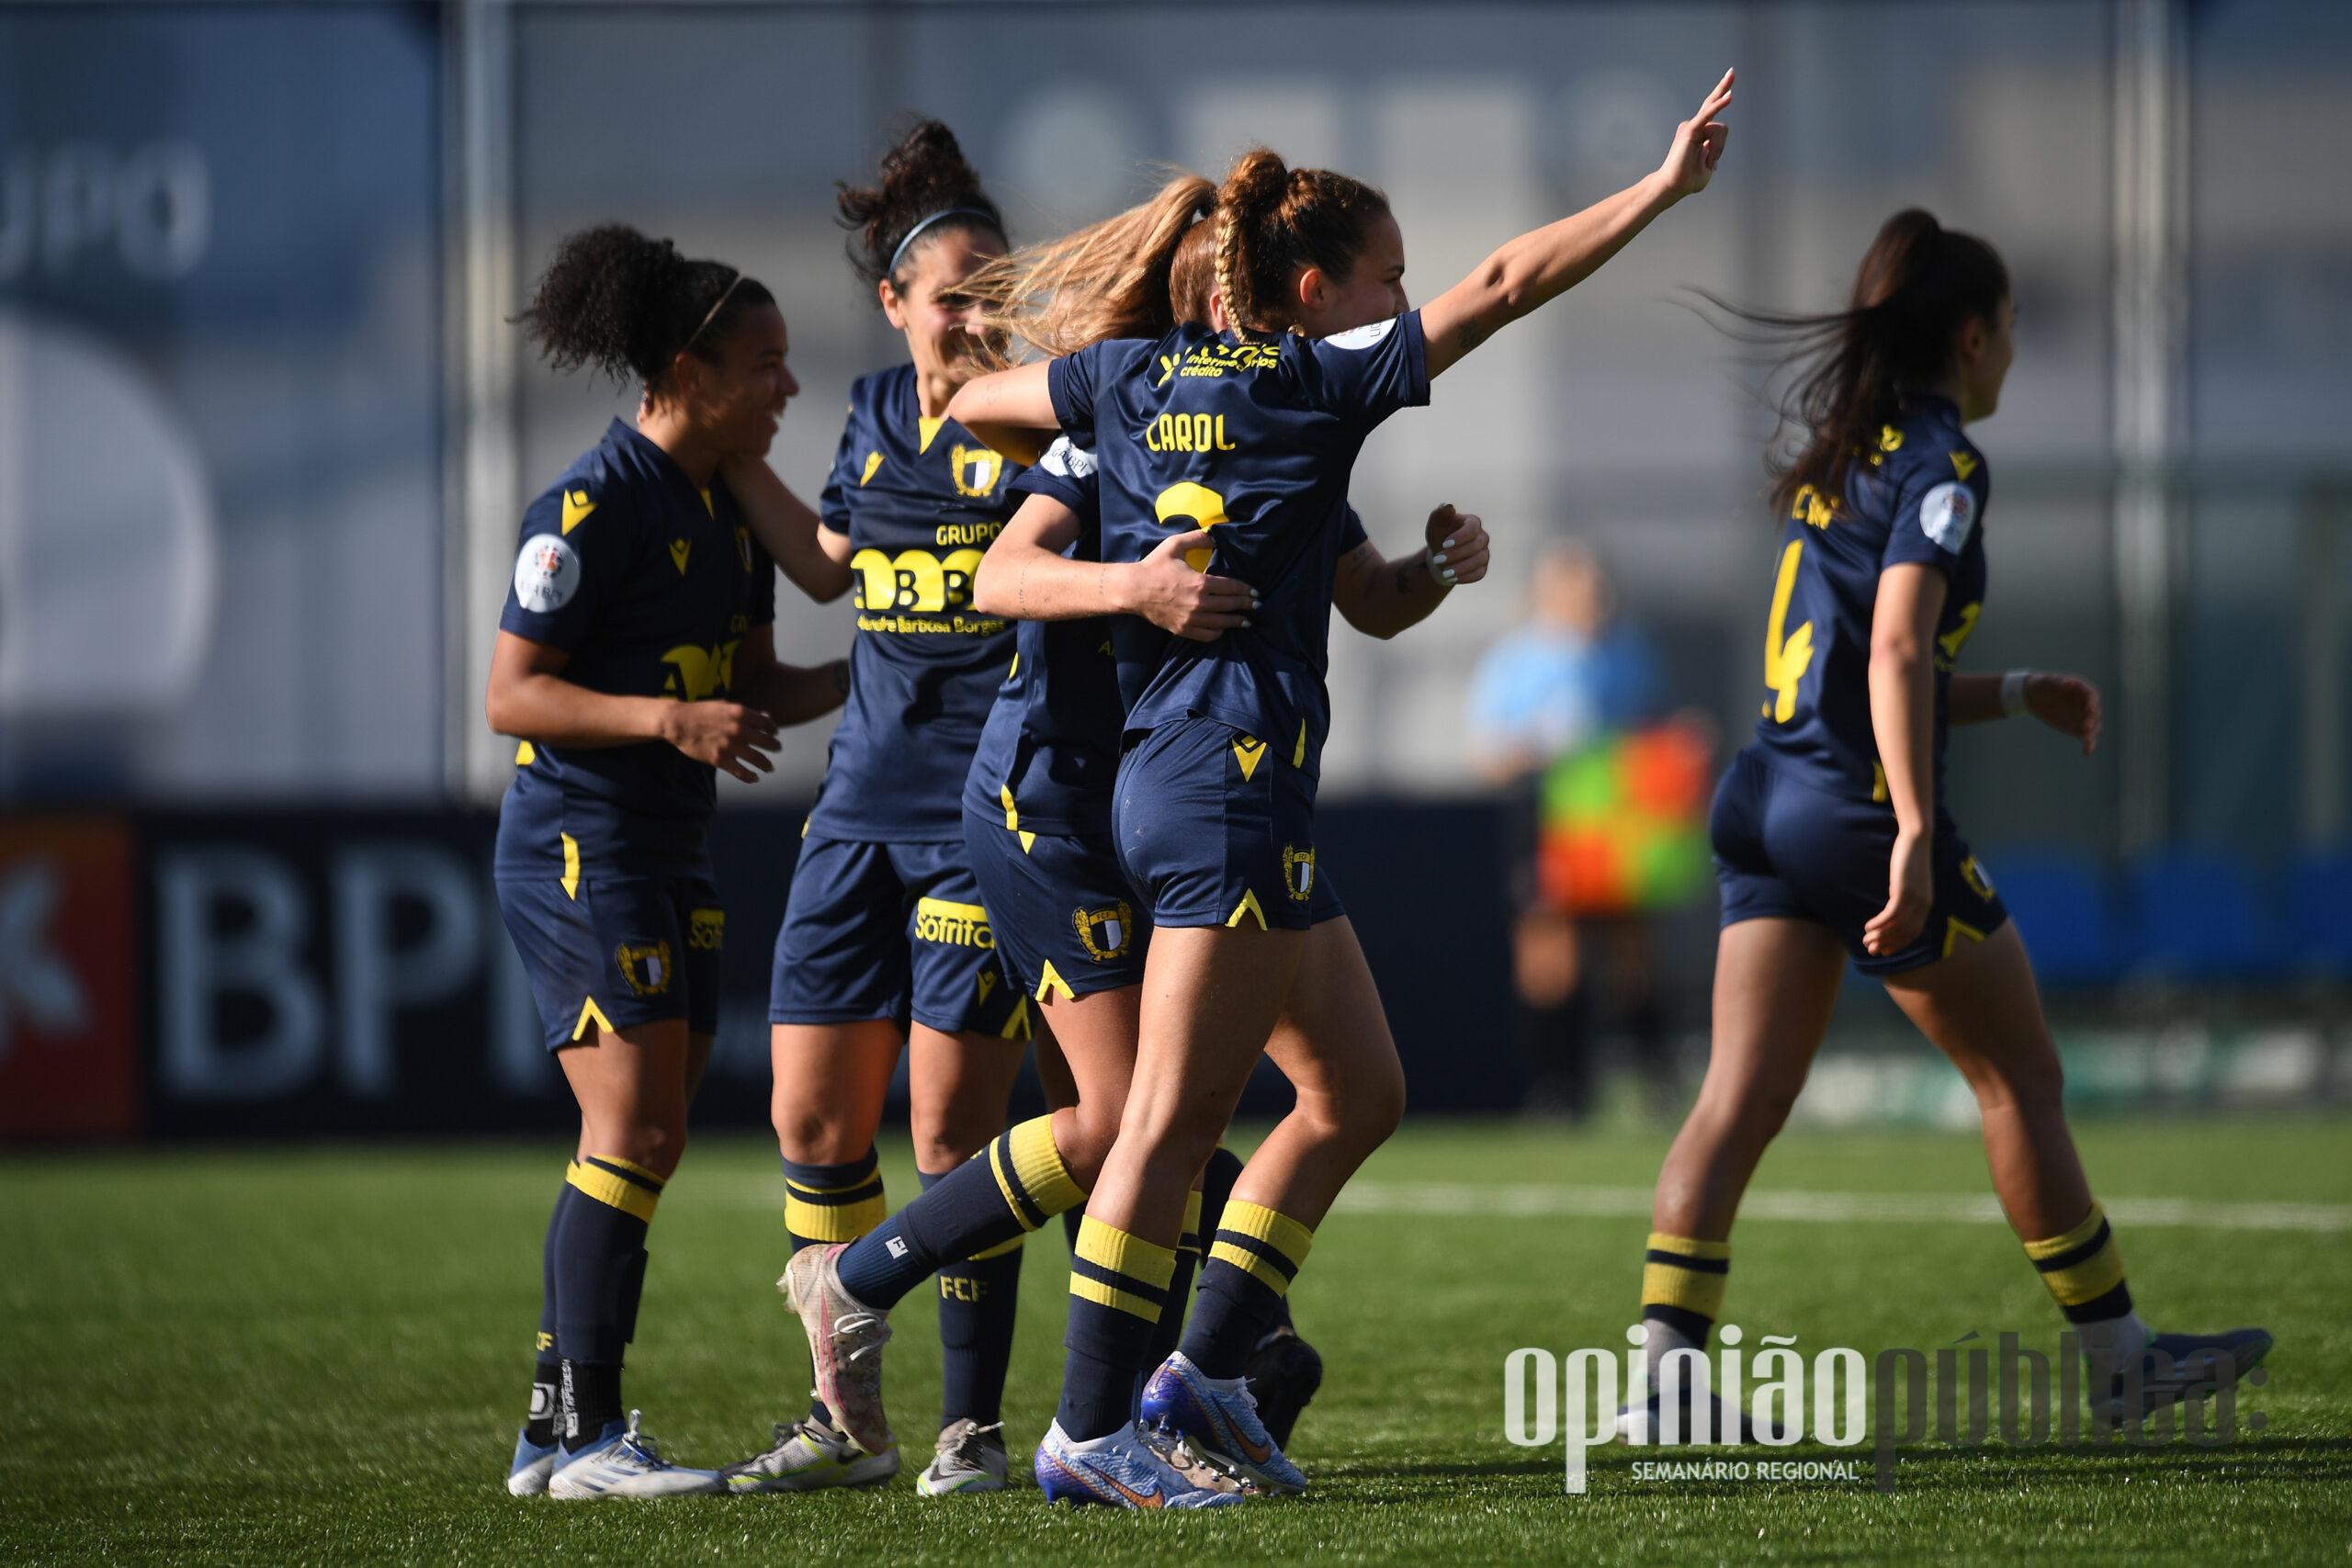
(546,1368)
(1254,1253)
(999,1195)
(1218,1177)
(600,1258)
(828,1203)
(1118,1288)
(1682,1294)
(2084,1271)
(979,1298)
(1189,1248)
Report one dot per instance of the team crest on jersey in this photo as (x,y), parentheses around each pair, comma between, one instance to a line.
(646,966)
(976,470)
(1298,873)
(1105,933)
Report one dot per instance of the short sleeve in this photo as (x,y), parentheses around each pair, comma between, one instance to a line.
(1370,372)
(1066,473)
(578,539)
(1351,532)
(1069,381)
(849,471)
(1938,507)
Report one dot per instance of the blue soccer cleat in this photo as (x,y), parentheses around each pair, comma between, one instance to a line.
(1132,1468)
(623,1463)
(1218,1418)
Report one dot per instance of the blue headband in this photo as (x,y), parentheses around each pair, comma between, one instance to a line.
(982,214)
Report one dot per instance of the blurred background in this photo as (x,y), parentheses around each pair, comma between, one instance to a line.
(266,434)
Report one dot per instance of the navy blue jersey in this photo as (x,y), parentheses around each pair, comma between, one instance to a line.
(1049,754)
(919,500)
(1250,443)
(1918,497)
(650,584)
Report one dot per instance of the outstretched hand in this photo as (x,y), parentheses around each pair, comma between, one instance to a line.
(1698,144)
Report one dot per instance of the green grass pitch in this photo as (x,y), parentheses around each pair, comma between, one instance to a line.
(319,1355)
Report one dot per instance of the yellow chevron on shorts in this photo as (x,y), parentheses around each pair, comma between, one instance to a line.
(1011,812)
(572,871)
(1248,906)
(1054,982)
(1249,752)
(590,1013)
(526,755)
(1954,929)
(1298,752)
(1018,1026)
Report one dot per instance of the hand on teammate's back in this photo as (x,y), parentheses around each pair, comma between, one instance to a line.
(724,735)
(1170,592)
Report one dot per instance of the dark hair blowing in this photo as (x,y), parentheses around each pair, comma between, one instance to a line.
(629,305)
(923,175)
(1273,220)
(1918,284)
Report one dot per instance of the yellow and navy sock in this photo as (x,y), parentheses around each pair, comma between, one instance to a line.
(1253,1254)
(980,1299)
(1218,1177)
(1118,1287)
(547,1367)
(2085,1271)
(1189,1248)
(600,1258)
(1683,1291)
(999,1195)
(826,1203)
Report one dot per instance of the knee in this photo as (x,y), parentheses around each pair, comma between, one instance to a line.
(1363,1114)
(806,1133)
(1751,1115)
(655,1141)
(2034,1085)
(1083,1135)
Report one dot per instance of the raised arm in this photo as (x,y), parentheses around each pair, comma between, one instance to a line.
(1025,576)
(1009,411)
(1545,262)
(1381,597)
(815,558)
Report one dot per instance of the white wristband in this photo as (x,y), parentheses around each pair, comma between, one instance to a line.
(2013,693)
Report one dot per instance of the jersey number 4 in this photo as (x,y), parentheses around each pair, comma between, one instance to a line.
(1787,654)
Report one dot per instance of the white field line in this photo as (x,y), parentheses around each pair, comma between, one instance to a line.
(1529,1201)
(1534,1201)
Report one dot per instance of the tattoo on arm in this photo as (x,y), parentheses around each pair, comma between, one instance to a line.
(1407,572)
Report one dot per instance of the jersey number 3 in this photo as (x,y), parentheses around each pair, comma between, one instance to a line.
(1787,654)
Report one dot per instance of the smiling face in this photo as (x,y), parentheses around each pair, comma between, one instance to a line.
(936,320)
(1372,290)
(736,403)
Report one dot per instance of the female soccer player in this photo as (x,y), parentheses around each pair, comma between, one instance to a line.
(1243,441)
(884,938)
(1831,833)
(635,656)
(1038,810)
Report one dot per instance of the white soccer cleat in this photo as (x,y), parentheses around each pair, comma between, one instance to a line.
(970,1458)
(528,1472)
(810,1456)
(625,1463)
(845,1340)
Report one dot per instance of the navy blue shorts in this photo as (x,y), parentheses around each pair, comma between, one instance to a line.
(890,932)
(1216,828)
(617,951)
(1067,924)
(1786,849)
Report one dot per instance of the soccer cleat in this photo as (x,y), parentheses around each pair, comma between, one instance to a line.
(845,1340)
(625,1463)
(810,1456)
(527,1475)
(1642,1423)
(970,1458)
(2194,1360)
(1283,1373)
(1218,1419)
(1129,1468)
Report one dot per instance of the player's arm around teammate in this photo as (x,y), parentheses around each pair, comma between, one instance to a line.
(620,667)
(1832,843)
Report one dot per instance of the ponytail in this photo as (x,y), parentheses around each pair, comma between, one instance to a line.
(1917,286)
(1272,220)
(925,188)
(1110,279)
